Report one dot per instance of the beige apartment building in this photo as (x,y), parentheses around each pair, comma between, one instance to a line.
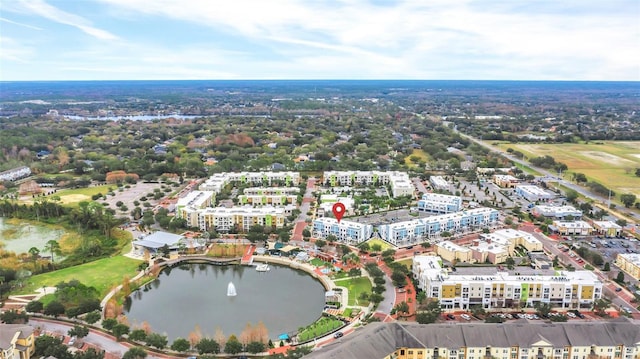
(629,263)
(503,289)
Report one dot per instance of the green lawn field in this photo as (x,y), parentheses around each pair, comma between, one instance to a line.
(356,286)
(102,274)
(322,326)
(74,196)
(611,163)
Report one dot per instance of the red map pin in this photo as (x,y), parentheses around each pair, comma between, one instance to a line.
(338,210)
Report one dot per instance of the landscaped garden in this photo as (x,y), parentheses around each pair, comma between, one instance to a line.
(356,286)
(321,327)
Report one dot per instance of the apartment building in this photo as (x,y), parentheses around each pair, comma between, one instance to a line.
(16,341)
(534,193)
(451,252)
(196,200)
(629,263)
(576,340)
(558,212)
(433,227)
(439,203)
(483,252)
(439,182)
(346,231)
(219,180)
(505,181)
(15,174)
(241,218)
(399,181)
(503,289)
(512,238)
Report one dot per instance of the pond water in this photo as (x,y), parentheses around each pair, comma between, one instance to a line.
(284,299)
(19,238)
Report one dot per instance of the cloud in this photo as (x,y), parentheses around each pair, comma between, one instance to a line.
(20,24)
(52,13)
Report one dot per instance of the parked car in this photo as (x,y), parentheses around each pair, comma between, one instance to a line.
(618,289)
(338,335)
(451,316)
(465,316)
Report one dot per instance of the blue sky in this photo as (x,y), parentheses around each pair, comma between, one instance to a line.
(319,39)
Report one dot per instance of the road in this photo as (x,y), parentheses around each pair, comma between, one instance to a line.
(581,190)
(619,299)
(301,223)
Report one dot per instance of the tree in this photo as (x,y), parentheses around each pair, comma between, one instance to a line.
(35,254)
(109,323)
(79,331)
(621,222)
(402,307)
(542,309)
(135,353)
(306,233)
(92,317)
(54,308)
(90,353)
(165,250)
(510,262)
(207,346)
(255,347)
(14,317)
(180,345)
(430,313)
(364,247)
(233,346)
(156,340)
(601,305)
(620,277)
(138,335)
(628,199)
(320,243)
(119,330)
(571,195)
(52,247)
(399,279)
(34,306)
(607,267)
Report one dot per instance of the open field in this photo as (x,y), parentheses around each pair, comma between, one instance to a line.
(76,195)
(102,274)
(384,245)
(423,156)
(611,163)
(356,286)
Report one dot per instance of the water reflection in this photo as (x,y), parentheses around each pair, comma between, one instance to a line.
(283,298)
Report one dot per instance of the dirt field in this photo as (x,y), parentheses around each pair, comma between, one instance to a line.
(611,163)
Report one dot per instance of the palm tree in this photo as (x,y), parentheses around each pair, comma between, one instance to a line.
(35,253)
(52,246)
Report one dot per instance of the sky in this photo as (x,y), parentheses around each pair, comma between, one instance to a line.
(46,40)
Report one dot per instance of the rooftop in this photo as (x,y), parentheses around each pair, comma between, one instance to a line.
(376,340)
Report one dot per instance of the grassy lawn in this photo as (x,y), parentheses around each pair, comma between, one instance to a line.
(611,163)
(320,263)
(423,156)
(406,262)
(102,274)
(356,286)
(76,195)
(384,245)
(322,326)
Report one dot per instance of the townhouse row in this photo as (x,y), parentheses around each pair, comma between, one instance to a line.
(399,181)
(417,229)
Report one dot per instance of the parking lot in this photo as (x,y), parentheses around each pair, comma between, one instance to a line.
(609,248)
